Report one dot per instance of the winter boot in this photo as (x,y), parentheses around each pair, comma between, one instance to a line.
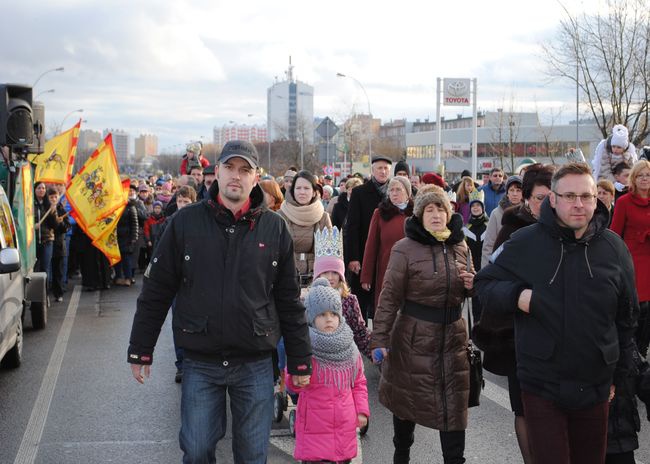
(403,439)
(453,446)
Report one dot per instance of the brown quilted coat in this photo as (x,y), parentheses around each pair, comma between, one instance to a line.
(425,378)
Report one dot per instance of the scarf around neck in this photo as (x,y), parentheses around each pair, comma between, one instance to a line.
(302,215)
(441,235)
(381,188)
(337,355)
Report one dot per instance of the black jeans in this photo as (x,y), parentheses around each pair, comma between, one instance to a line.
(452,443)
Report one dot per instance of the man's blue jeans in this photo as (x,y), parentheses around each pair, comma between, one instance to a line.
(203,410)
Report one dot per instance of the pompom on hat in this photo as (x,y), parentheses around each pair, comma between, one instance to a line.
(321,298)
(328,251)
(620,136)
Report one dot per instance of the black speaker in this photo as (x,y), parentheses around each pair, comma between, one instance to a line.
(16,121)
(38,113)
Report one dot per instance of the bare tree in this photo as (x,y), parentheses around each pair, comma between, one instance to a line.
(503,137)
(551,147)
(607,56)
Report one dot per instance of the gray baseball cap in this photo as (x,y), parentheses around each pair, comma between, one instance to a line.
(241,149)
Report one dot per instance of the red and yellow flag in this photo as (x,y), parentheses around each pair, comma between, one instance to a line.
(106,241)
(96,191)
(55,164)
(28,202)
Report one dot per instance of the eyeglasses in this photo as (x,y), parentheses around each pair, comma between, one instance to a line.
(572,197)
(643,176)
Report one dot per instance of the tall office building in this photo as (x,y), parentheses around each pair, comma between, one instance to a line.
(120,144)
(290,108)
(146,145)
(88,140)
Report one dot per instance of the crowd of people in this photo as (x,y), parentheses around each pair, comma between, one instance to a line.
(555,261)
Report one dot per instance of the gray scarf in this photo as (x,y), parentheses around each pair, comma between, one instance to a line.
(337,355)
(381,188)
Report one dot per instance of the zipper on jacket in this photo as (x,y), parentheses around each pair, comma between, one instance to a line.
(442,346)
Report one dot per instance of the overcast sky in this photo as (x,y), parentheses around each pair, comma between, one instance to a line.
(178,68)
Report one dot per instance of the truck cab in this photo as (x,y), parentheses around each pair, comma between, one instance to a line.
(12,289)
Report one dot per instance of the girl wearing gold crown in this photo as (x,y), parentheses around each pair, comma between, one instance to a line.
(328,263)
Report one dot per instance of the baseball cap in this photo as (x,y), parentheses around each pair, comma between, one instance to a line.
(241,149)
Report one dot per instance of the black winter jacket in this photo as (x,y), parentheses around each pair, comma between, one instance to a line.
(234,283)
(127,228)
(363,202)
(578,336)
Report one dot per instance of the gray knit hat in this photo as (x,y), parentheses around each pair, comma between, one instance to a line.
(431,194)
(405,182)
(321,298)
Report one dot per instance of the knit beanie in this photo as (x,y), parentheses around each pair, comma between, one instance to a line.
(620,136)
(513,180)
(401,166)
(431,194)
(157,203)
(431,178)
(480,202)
(405,182)
(322,298)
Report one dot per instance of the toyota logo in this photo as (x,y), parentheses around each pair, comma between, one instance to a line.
(457,88)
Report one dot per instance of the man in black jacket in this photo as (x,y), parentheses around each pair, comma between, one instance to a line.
(228,264)
(569,282)
(363,202)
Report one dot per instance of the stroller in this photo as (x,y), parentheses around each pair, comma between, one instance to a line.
(281,396)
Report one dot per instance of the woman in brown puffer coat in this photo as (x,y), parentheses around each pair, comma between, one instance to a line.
(304,213)
(419,330)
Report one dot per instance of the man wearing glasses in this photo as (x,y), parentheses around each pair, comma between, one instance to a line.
(569,282)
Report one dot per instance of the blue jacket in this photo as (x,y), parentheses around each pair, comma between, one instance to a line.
(492,198)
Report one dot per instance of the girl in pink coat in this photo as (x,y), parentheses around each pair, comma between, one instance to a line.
(335,402)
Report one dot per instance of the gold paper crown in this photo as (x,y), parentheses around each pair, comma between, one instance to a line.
(328,242)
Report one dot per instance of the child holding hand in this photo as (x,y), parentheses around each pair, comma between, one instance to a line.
(335,402)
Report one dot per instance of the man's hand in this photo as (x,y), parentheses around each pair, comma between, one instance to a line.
(354,266)
(524,300)
(301,380)
(136,370)
(362,420)
(366,287)
(612,392)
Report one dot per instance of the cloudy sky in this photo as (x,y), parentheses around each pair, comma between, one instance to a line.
(178,68)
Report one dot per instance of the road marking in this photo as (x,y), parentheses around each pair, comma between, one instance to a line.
(34,431)
(498,394)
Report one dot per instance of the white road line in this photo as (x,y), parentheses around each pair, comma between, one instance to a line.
(498,394)
(34,431)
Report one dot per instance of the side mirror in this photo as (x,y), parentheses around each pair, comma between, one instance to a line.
(9,260)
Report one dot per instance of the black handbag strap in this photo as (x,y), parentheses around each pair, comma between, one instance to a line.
(469,310)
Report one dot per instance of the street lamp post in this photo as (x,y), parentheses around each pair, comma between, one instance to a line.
(44,73)
(66,117)
(44,91)
(369,112)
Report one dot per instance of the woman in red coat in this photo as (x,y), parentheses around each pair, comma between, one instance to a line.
(632,222)
(386,228)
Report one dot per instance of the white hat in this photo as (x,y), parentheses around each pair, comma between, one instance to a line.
(620,136)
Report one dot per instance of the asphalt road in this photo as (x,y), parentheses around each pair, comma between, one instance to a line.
(74,401)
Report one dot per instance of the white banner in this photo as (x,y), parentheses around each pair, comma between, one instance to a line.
(456,92)
(456,146)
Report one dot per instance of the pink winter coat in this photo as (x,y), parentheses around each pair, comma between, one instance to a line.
(326,419)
